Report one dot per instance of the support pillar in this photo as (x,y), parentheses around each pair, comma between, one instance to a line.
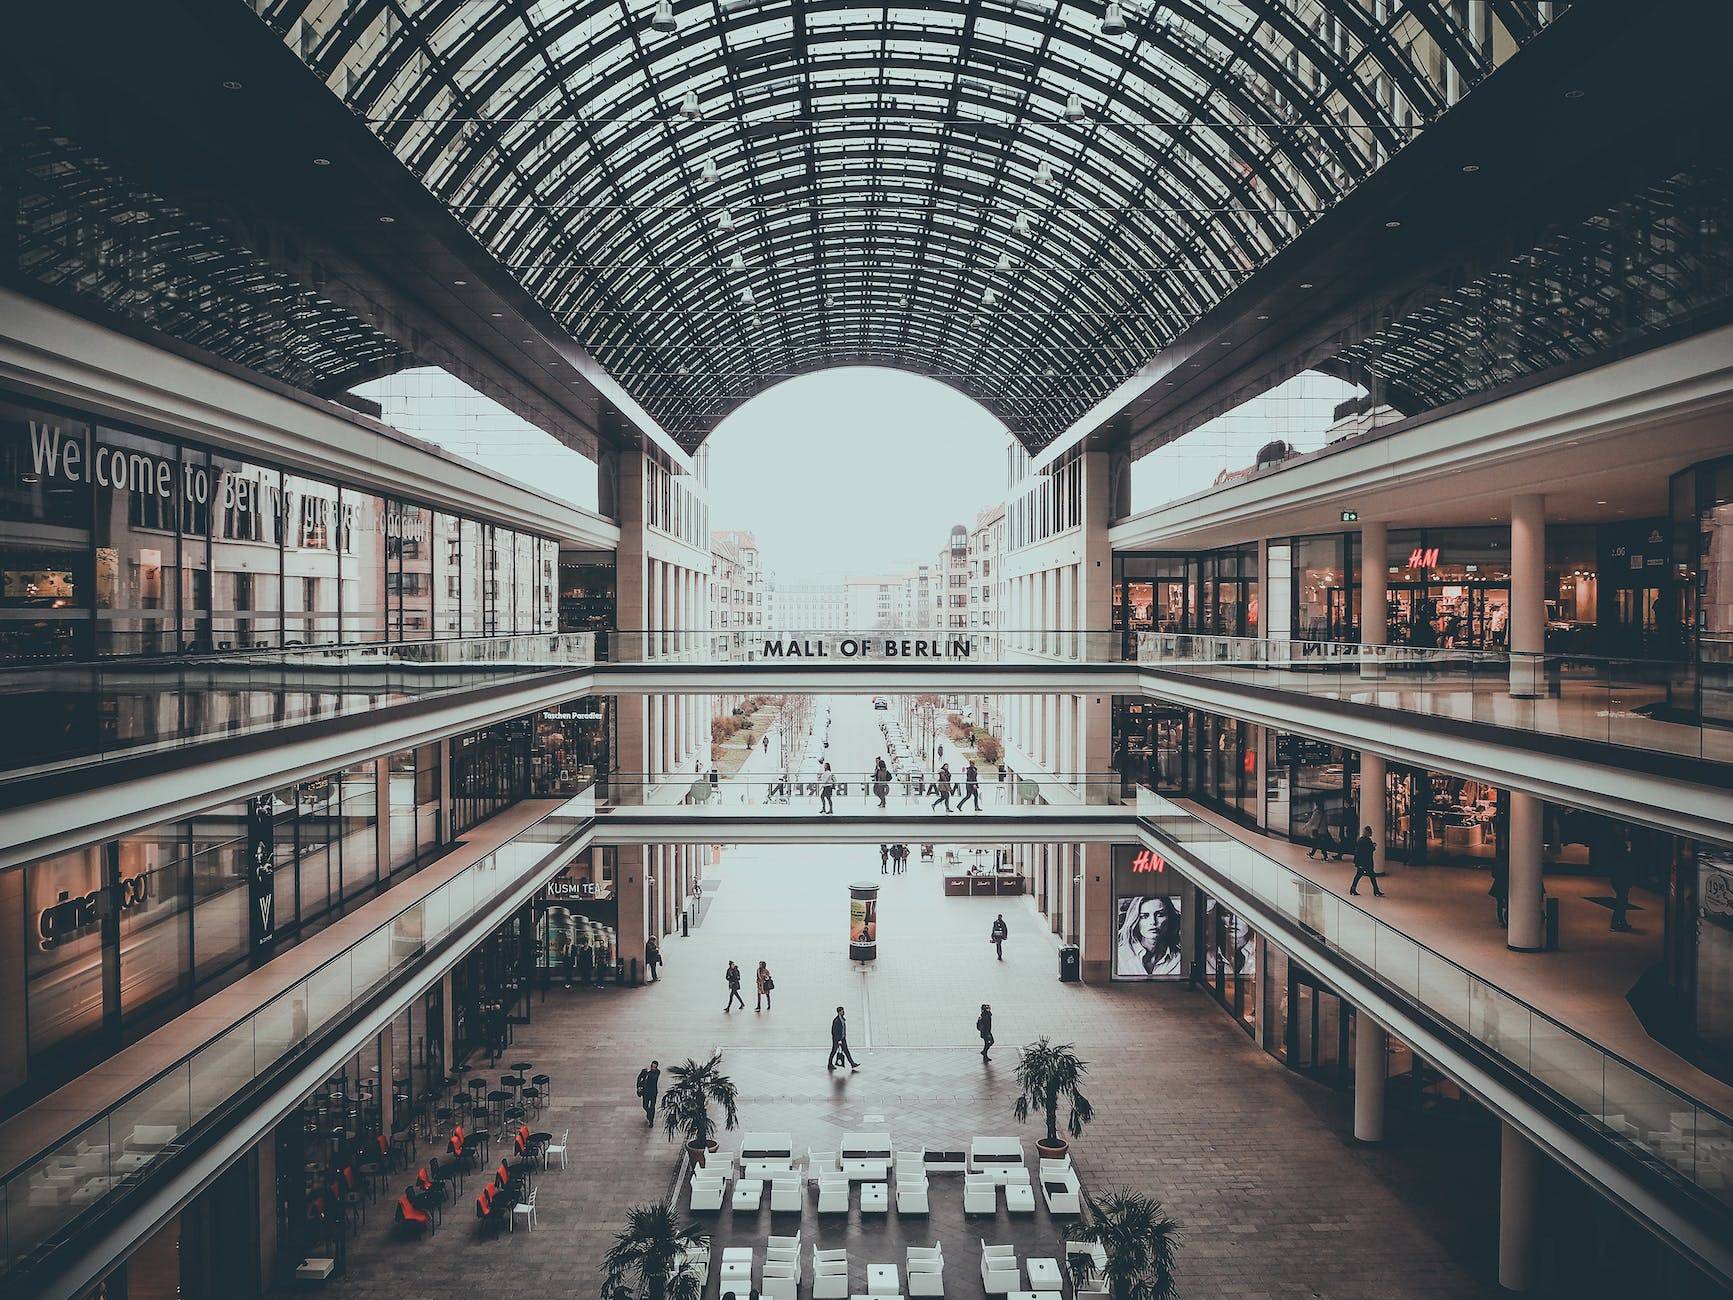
(1373,802)
(447,1023)
(1526,929)
(1518,1194)
(1188,913)
(1374,596)
(630,871)
(387,1093)
(1094,927)
(1371,1047)
(1527,594)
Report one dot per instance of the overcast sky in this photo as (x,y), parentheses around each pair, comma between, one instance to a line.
(854,470)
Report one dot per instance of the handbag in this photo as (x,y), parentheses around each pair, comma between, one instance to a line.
(769,985)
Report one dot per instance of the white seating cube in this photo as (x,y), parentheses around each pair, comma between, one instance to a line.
(980,1194)
(748,1192)
(875,1198)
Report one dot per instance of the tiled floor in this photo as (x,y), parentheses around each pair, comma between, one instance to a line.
(1254,1161)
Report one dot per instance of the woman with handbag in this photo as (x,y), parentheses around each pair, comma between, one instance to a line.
(765,985)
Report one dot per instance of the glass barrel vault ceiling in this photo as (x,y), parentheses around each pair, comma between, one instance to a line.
(1023,198)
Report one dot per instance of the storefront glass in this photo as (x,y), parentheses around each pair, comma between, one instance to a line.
(155,917)
(115,542)
(1325,577)
(1450,587)
(63,961)
(587,591)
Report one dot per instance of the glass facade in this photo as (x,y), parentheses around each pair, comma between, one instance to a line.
(116,543)
(1212,593)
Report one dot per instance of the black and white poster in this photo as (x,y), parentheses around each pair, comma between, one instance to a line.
(1148,947)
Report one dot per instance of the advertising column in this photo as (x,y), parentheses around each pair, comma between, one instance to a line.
(863,922)
(262,871)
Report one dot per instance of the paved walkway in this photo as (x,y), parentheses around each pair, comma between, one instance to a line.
(1253,1160)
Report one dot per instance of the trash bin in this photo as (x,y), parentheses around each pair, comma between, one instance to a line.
(634,970)
(1549,941)
(1070,964)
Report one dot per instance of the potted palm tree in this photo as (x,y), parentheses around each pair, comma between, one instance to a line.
(648,1258)
(687,1102)
(1138,1242)
(1048,1074)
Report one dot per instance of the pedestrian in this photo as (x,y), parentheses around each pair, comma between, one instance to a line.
(839,1043)
(1500,891)
(649,1080)
(652,958)
(971,786)
(1620,878)
(1315,831)
(1365,854)
(884,859)
(881,780)
(733,978)
(571,961)
(765,985)
(602,964)
(767,744)
(586,962)
(942,787)
(984,1027)
(827,790)
(1000,933)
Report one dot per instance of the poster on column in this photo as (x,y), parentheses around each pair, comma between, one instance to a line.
(572,915)
(262,870)
(863,922)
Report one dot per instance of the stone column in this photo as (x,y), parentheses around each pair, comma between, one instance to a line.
(1370,1051)
(1188,911)
(631,867)
(653,613)
(1374,595)
(1527,629)
(387,1092)
(1095,926)
(447,1022)
(1526,931)
(1518,1197)
(1373,802)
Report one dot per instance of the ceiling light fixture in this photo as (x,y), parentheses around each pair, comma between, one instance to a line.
(1392,225)
(1074,107)
(1044,173)
(460,283)
(725,221)
(231,85)
(321,162)
(737,262)
(1021,224)
(1113,20)
(1004,261)
(990,296)
(708,172)
(663,19)
(1468,169)
(1575,94)
(386,221)
(689,105)
(746,295)
(1306,284)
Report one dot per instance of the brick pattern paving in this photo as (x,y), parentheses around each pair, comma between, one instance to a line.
(1253,1160)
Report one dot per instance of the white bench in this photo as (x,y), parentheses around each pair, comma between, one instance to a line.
(997,1156)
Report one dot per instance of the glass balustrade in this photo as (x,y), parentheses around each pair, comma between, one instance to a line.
(1683,1138)
(69,715)
(1677,708)
(907,792)
(875,647)
(44,1197)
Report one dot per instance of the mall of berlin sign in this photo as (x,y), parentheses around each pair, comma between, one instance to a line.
(870,647)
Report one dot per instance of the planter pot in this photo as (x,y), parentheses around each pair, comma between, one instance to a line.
(1052,1150)
(698,1150)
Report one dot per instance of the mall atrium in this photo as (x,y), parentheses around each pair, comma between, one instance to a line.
(1262,828)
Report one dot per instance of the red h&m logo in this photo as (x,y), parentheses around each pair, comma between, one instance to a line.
(1148,861)
(1423,557)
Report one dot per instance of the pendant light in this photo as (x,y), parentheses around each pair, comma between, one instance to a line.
(708,173)
(663,20)
(746,295)
(725,220)
(1004,261)
(989,296)
(1044,174)
(737,263)
(689,105)
(1074,107)
(1021,225)
(1113,21)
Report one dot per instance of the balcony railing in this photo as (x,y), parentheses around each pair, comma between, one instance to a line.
(43,1199)
(1684,1139)
(909,792)
(861,646)
(1670,707)
(69,715)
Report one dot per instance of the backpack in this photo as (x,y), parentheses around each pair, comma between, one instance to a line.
(643,1076)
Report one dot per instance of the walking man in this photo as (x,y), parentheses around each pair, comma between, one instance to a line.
(971,787)
(1364,853)
(942,788)
(652,958)
(984,1027)
(839,1044)
(1001,932)
(649,1080)
(733,978)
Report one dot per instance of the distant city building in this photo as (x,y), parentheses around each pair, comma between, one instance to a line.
(812,606)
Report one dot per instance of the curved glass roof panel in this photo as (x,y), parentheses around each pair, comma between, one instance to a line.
(1024,198)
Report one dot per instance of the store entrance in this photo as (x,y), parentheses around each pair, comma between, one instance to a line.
(1461,616)
(1317,1030)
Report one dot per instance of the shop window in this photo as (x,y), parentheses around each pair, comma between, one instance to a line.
(137,485)
(155,917)
(45,580)
(358,818)
(401,775)
(219,885)
(63,959)
(318,839)
(362,534)
(246,555)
